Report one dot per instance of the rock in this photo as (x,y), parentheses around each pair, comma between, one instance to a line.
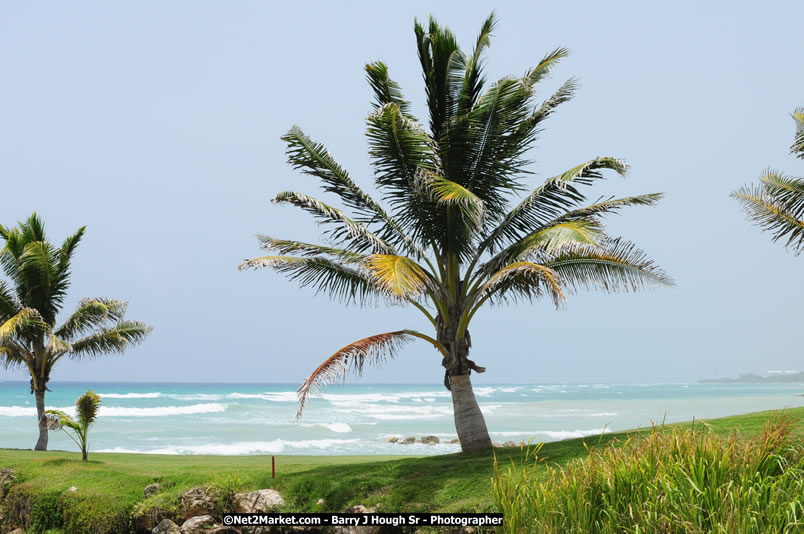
(453,441)
(358,509)
(166,526)
(152,489)
(496,444)
(6,480)
(194,502)
(201,524)
(408,440)
(320,502)
(430,440)
(510,444)
(391,439)
(150,517)
(73,488)
(260,501)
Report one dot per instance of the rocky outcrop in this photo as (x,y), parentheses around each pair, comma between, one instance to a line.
(198,525)
(430,440)
(147,517)
(408,440)
(391,439)
(7,478)
(260,501)
(196,502)
(152,489)
(166,526)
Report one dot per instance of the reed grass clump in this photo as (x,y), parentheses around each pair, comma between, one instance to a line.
(668,481)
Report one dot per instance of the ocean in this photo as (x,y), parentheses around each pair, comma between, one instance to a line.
(234,419)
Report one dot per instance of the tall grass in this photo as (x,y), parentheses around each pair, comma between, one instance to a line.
(669,481)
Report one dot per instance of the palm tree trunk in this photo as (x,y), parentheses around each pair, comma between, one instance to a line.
(469,421)
(84,453)
(41,444)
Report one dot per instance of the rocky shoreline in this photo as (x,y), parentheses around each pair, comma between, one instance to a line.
(433,440)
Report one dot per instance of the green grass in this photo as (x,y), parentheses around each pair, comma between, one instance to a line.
(110,486)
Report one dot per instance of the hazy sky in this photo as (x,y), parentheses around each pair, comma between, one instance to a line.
(157,125)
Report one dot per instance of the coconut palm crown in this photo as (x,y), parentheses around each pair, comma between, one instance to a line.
(777,203)
(30,338)
(458,226)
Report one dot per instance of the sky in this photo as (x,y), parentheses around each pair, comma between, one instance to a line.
(157,125)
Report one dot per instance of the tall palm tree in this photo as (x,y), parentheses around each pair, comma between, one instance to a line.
(29,337)
(777,203)
(86,411)
(450,239)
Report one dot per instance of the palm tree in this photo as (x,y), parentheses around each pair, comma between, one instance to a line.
(777,203)
(451,240)
(40,274)
(86,411)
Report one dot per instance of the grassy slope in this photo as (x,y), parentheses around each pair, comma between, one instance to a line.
(115,482)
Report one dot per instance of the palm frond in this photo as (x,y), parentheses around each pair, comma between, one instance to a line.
(785,191)
(87,407)
(13,355)
(398,275)
(346,230)
(283,246)
(386,91)
(312,158)
(562,95)
(325,275)
(113,339)
(473,81)
(92,313)
(546,65)
(437,46)
(26,319)
(549,201)
(449,193)
(615,265)
(797,148)
(523,279)
(57,419)
(762,208)
(373,350)
(9,304)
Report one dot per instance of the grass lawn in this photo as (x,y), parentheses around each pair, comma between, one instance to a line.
(111,485)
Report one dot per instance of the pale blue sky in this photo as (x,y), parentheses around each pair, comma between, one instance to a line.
(157,125)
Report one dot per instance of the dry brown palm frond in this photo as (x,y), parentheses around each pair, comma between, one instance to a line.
(373,349)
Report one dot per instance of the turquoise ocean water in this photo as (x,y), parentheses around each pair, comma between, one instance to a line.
(354,419)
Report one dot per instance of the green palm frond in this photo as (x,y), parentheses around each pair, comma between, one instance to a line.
(473,81)
(9,304)
(446,192)
(386,91)
(562,95)
(556,235)
(283,246)
(549,201)
(785,191)
(312,158)
(546,65)
(13,355)
(325,275)
(57,420)
(523,280)
(356,235)
(87,407)
(438,49)
(92,313)
(113,339)
(763,208)
(797,148)
(615,265)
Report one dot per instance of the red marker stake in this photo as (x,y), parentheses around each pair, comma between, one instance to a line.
(273,467)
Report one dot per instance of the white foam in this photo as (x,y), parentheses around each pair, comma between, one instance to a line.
(118,411)
(278,396)
(130,395)
(196,396)
(484,391)
(511,390)
(553,434)
(240,448)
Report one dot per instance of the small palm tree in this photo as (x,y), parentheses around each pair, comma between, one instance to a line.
(777,203)
(452,240)
(29,337)
(86,411)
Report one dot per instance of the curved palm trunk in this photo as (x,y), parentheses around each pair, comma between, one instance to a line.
(469,421)
(41,444)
